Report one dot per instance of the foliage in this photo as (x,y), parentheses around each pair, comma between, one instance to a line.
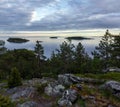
(5,102)
(41,88)
(39,50)
(81,59)
(14,78)
(24,60)
(108,51)
(40,57)
(116,51)
(104,49)
(69,59)
(106,76)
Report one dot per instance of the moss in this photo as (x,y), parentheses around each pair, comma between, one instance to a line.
(81,103)
(5,102)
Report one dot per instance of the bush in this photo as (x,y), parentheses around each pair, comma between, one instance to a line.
(5,102)
(14,78)
(41,87)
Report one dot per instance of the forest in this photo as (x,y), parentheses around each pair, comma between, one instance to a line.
(67,59)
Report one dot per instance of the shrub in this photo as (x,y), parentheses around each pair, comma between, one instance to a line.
(14,78)
(40,88)
(5,102)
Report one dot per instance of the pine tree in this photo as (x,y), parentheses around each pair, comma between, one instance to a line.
(116,51)
(40,58)
(39,51)
(65,55)
(104,49)
(81,58)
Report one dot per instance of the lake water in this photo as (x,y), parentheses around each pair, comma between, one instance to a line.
(50,44)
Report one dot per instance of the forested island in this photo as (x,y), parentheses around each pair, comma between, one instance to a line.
(54,37)
(77,38)
(17,40)
(69,78)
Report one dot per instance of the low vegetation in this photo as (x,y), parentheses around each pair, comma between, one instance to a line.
(14,78)
(5,102)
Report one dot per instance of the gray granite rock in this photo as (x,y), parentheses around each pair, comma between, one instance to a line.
(69,79)
(28,104)
(113,87)
(18,92)
(68,98)
(54,89)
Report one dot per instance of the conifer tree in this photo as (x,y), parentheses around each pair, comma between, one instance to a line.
(116,51)
(65,55)
(104,49)
(14,78)
(81,59)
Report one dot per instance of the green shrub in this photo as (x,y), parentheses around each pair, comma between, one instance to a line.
(14,78)
(40,88)
(5,102)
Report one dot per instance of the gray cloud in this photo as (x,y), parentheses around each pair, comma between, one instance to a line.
(69,14)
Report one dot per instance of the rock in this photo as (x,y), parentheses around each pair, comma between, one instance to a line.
(20,92)
(69,79)
(78,86)
(64,79)
(54,89)
(36,81)
(112,69)
(28,104)
(2,42)
(69,96)
(113,87)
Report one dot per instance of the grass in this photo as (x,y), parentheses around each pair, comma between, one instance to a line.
(106,76)
(108,95)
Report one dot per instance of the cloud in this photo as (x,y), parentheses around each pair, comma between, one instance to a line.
(36,15)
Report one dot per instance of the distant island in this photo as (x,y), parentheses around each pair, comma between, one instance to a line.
(54,37)
(77,38)
(17,40)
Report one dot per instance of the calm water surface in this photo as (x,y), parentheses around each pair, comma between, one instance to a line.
(50,44)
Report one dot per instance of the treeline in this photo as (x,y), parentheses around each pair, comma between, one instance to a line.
(67,59)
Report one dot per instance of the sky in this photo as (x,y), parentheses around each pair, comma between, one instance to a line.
(59,15)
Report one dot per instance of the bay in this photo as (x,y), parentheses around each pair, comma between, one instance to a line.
(51,44)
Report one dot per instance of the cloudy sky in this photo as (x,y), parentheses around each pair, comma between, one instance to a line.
(50,15)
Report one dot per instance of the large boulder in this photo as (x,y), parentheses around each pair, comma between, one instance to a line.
(68,98)
(54,89)
(113,87)
(68,79)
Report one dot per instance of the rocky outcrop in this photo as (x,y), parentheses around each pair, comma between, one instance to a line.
(69,79)
(68,98)
(36,81)
(113,87)
(54,89)
(28,104)
(20,92)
